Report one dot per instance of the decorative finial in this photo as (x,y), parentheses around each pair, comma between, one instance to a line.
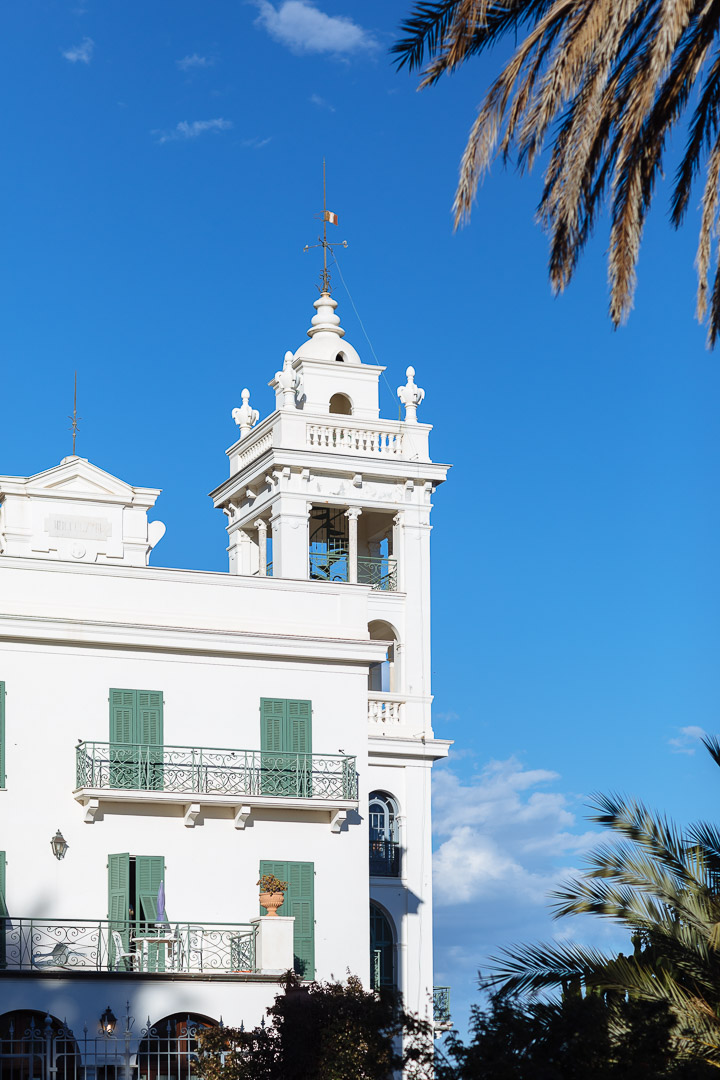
(245,417)
(287,382)
(323,242)
(75,419)
(411,395)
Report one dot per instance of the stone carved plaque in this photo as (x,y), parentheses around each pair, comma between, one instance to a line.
(74,527)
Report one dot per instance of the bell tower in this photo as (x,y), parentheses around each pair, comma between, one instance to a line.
(325,489)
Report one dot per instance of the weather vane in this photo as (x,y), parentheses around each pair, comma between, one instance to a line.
(74,418)
(323,242)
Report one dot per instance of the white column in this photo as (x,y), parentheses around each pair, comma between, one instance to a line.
(274,944)
(397,536)
(352,515)
(290,537)
(261,527)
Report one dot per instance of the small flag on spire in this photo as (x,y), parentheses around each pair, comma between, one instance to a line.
(329,216)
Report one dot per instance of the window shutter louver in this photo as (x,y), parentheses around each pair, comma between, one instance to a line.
(299,903)
(149,873)
(272,724)
(136,719)
(118,902)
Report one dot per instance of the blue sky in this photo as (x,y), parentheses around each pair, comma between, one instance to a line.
(161,168)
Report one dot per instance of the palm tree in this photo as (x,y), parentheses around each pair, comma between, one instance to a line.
(664,886)
(602,83)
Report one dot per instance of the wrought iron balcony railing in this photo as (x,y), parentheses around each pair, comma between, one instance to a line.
(195,770)
(117,946)
(384,858)
(380,572)
(441,1006)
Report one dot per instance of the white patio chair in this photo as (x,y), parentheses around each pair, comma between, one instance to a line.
(58,956)
(121,952)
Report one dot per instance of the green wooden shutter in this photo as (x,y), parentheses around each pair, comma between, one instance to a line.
(273,774)
(3,912)
(149,873)
(298,741)
(285,733)
(123,760)
(300,903)
(299,727)
(272,724)
(2,734)
(301,887)
(122,716)
(149,732)
(118,902)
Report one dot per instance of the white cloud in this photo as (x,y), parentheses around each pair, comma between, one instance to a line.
(686,742)
(194,61)
(80,53)
(321,103)
(506,835)
(256,143)
(186,130)
(304,28)
(505,838)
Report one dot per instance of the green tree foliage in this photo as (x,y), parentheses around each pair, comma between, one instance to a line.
(322,1031)
(661,883)
(588,1037)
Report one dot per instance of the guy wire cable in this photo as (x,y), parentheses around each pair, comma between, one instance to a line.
(362,327)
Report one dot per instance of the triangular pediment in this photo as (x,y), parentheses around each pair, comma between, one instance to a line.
(75,476)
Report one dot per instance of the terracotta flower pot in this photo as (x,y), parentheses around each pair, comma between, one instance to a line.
(272,901)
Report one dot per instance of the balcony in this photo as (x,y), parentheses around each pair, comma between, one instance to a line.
(380,573)
(384,858)
(87,945)
(386,712)
(441,1008)
(194,777)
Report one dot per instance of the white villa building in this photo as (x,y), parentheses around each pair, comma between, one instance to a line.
(177,733)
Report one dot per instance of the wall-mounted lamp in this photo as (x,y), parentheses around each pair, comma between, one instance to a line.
(59,845)
(108,1020)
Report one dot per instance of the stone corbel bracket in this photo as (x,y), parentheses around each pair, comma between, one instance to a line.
(337,820)
(241,814)
(192,812)
(91,808)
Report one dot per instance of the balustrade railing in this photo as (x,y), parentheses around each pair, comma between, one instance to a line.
(378,571)
(121,946)
(385,858)
(191,770)
(384,711)
(344,438)
(441,1005)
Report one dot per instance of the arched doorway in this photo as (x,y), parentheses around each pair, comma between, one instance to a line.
(383,835)
(382,950)
(36,1046)
(169,1048)
(383,677)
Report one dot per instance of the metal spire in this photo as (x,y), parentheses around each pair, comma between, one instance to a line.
(323,242)
(74,418)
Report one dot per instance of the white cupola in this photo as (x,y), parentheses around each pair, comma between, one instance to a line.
(319,384)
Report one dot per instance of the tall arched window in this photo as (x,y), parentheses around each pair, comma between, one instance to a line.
(35,1044)
(383,677)
(382,950)
(384,845)
(170,1046)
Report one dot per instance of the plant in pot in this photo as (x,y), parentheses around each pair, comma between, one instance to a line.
(272,893)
